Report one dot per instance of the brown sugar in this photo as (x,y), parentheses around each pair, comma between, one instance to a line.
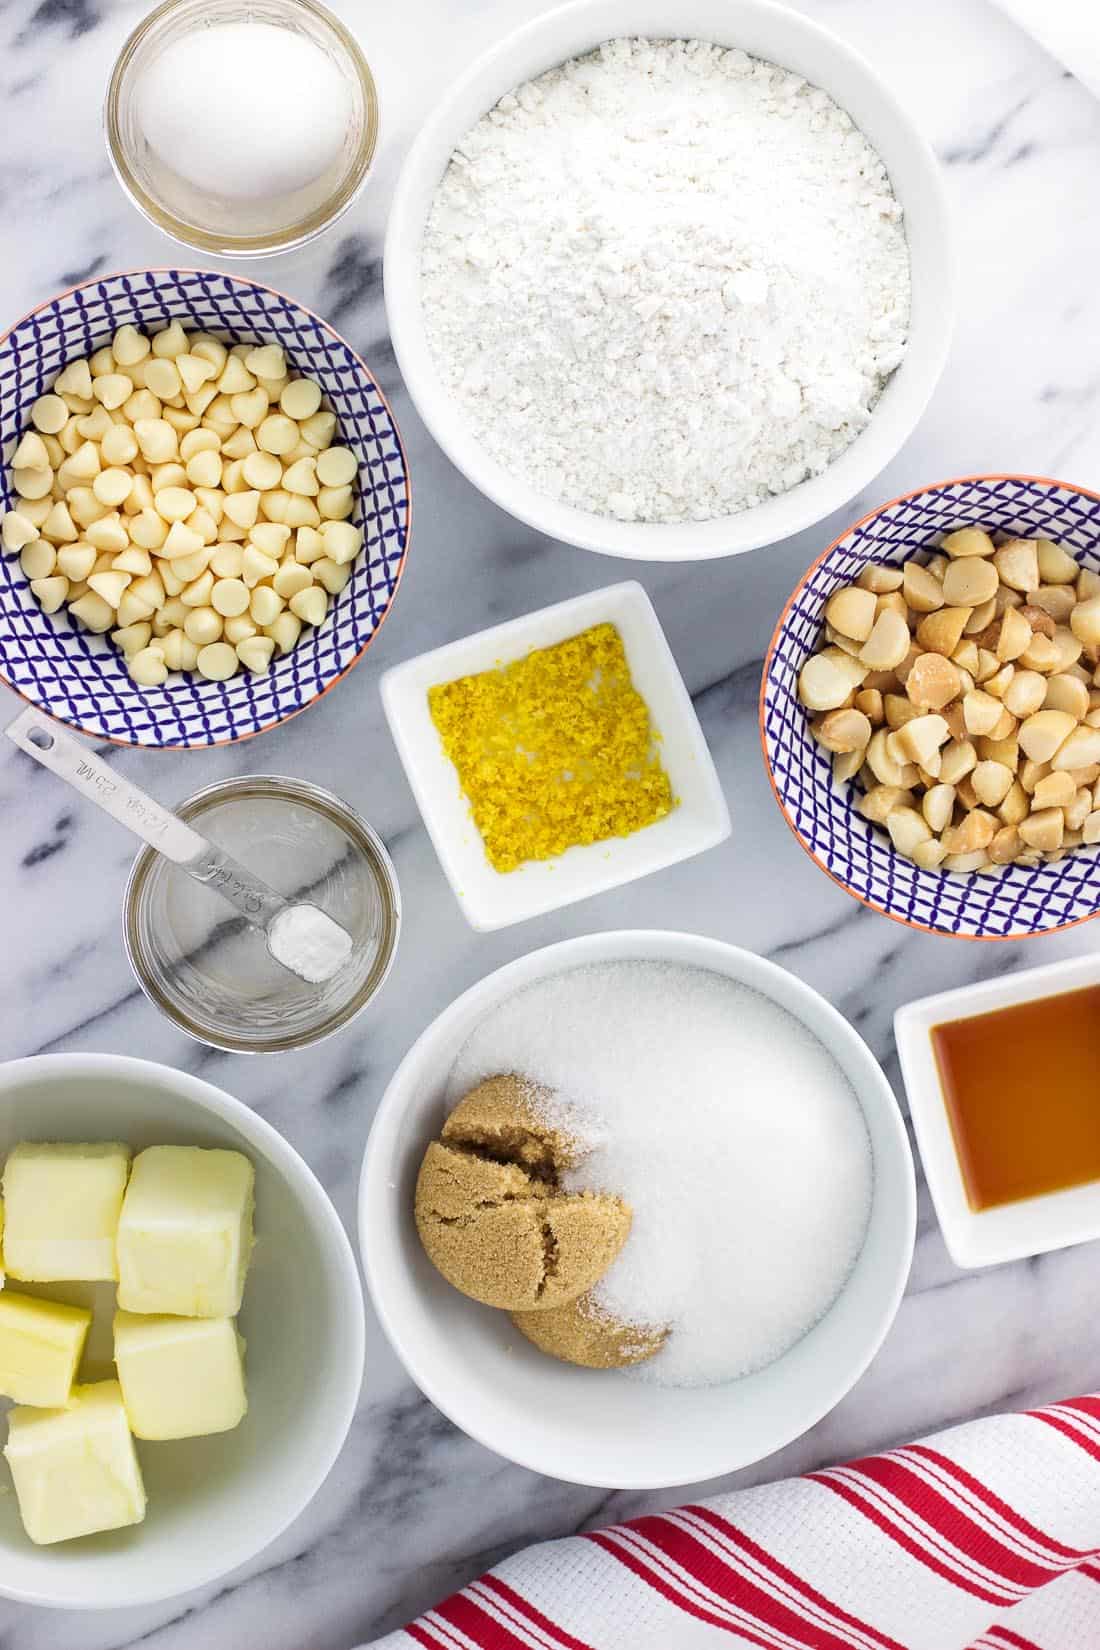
(507,1118)
(491,1216)
(581,1332)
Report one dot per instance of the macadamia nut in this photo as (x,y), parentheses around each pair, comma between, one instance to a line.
(960,689)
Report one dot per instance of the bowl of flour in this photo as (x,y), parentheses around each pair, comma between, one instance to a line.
(765,1162)
(670,281)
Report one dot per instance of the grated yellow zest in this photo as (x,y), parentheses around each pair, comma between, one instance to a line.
(555,750)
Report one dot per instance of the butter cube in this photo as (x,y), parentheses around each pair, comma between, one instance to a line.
(185,1236)
(62,1205)
(40,1347)
(76,1470)
(180,1377)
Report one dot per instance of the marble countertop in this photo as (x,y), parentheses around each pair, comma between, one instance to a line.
(414,1508)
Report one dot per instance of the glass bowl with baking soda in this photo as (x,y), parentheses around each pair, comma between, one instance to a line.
(210,971)
(241,127)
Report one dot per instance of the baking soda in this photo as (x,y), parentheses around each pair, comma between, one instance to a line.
(729,1129)
(309,942)
(665,281)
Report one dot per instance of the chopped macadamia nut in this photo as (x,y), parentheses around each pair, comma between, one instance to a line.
(960,690)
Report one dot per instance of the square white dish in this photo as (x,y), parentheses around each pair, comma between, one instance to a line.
(1010,1231)
(492,899)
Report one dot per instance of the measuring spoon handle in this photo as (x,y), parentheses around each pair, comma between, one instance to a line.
(72,761)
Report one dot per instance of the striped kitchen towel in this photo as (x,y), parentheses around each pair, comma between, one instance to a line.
(983,1538)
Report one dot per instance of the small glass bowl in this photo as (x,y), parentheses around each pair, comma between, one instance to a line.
(236,229)
(209,971)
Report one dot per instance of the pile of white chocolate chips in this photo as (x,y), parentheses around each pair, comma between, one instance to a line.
(184,497)
(964,692)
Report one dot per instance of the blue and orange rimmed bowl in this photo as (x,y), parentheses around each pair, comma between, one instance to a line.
(81,679)
(1018,903)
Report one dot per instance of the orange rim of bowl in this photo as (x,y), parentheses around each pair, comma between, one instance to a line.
(880,509)
(259,286)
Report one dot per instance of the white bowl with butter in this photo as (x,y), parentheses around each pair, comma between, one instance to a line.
(213,1501)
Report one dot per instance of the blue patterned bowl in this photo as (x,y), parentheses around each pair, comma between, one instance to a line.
(81,678)
(821,812)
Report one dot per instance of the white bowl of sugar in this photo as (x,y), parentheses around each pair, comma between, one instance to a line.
(664,305)
(776,1240)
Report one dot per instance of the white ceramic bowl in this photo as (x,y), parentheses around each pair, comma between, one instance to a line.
(213,1502)
(493,899)
(769,31)
(1033,1225)
(597,1427)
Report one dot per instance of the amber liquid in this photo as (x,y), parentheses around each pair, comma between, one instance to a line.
(1022,1088)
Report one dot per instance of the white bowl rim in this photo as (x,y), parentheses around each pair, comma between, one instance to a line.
(208,1097)
(845,1044)
(783,516)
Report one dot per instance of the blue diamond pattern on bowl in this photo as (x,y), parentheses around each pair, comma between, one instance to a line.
(822,813)
(81,678)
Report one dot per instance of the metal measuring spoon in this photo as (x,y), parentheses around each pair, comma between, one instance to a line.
(300,936)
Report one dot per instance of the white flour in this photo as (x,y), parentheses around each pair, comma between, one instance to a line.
(665,280)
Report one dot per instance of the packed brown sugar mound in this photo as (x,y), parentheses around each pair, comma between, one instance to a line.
(506,1118)
(581,1332)
(490,1213)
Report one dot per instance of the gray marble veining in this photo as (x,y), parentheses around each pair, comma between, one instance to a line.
(414,1508)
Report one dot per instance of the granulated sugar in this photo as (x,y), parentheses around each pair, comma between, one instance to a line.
(730,1130)
(665,281)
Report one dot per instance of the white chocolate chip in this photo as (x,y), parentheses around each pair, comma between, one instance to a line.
(50,592)
(335,503)
(17,531)
(38,559)
(129,346)
(265,606)
(300,399)
(112,390)
(229,597)
(266,361)
(93,612)
(337,468)
(262,471)
(148,667)
(50,414)
(217,661)
(256,652)
(203,626)
(290,579)
(33,484)
(284,631)
(31,453)
(341,540)
(112,487)
(310,604)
